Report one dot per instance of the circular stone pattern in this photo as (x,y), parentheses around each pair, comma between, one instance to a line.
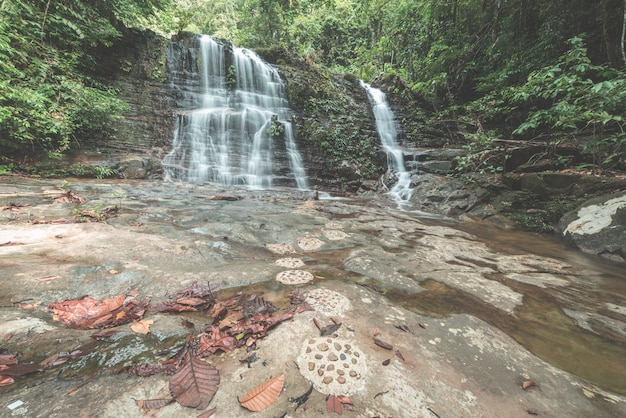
(289,262)
(328,302)
(294,277)
(333,365)
(280,248)
(335,235)
(309,243)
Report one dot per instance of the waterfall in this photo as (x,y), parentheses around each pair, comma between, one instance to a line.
(233,125)
(386,127)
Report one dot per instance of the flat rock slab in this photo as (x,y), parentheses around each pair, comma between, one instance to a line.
(428,306)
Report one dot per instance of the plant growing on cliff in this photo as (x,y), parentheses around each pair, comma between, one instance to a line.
(48,100)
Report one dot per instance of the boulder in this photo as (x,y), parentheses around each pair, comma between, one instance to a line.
(135,167)
(599,226)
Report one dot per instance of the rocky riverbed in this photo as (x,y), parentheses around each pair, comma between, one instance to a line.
(439,318)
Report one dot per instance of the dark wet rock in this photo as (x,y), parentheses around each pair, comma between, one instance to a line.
(450,196)
(599,226)
(135,167)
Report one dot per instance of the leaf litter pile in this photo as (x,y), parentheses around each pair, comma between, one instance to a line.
(237,321)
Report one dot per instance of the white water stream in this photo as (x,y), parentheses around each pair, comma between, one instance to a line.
(386,127)
(233,128)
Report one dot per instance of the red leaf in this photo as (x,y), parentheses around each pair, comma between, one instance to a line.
(194,383)
(527,384)
(263,395)
(333,404)
(6,380)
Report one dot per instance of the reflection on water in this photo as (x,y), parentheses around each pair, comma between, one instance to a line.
(595,353)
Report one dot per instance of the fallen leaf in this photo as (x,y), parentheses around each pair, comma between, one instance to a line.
(376,332)
(8,359)
(265,394)
(142,327)
(87,312)
(344,400)
(207,414)
(399,355)
(112,271)
(194,384)
(28,306)
(330,329)
(149,404)
(333,405)
(21,369)
(386,362)
(383,344)
(47,278)
(6,380)
(527,384)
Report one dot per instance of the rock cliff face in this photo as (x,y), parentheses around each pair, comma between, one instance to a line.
(333,123)
(135,67)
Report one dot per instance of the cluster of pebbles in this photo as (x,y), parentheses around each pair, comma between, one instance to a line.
(280,248)
(334,366)
(290,262)
(328,302)
(292,277)
(309,243)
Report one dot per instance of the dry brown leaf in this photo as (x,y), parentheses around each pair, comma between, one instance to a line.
(344,400)
(48,278)
(207,414)
(376,331)
(6,380)
(87,312)
(149,404)
(383,344)
(527,384)
(194,383)
(333,404)
(28,306)
(142,327)
(8,359)
(264,394)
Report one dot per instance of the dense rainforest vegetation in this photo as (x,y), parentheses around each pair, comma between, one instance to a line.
(551,72)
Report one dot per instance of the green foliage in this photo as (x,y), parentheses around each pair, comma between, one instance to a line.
(482,156)
(47,99)
(571,101)
(231,77)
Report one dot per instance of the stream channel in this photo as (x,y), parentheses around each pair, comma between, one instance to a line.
(486,308)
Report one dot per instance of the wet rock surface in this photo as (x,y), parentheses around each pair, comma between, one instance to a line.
(469,317)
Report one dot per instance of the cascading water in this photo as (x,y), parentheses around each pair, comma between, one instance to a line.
(386,127)
(233,125)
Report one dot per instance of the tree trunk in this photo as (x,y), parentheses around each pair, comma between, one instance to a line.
(613,28)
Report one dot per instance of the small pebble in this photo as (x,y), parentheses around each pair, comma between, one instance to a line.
(322,347)
(341,379)
(311,366)
(330,367)
(320,372)
(328,379)
(342,356)
(353,361)
(340,372)
(311,341)
(308,349)
(318,356)
(333,357)
(352,373)
(337,346)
